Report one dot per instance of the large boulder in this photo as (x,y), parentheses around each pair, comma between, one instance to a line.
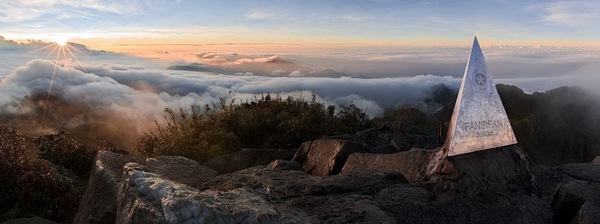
(596,160)
(303,198)
(99,202)
(411,164)
(573,191)
(248,158)
(483,175)
(148,198)
(326,156)
(367,197)
(180,169)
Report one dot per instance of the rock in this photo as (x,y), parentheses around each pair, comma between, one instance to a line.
(424,141)
(570,199)
(99,201)
(386,149)
(281,164)
(303,198)
(248,158)
(280,194)
(326,156)
(346,137)
(411,164)
(588,214)
(180,169)
(383,135)
(367,197)
(402,143)
(486,175)
(33,220)
(581,171)
(596,160)
(147,197)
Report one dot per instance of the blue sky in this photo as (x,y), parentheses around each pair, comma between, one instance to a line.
(428,22)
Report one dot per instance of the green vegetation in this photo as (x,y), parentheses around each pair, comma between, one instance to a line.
(43,177)
(268,122)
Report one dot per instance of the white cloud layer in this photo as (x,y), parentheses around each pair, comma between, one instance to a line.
(131,97)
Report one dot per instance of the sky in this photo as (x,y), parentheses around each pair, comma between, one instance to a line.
(105,23)
(129,60)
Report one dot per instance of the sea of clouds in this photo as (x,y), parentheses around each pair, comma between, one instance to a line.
(101,95)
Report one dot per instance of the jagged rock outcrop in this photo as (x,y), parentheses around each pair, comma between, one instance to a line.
(326,156)
(248,158)
(573,191)
(100,200)
(411,164)
(415,186)
(596,160)
(148,198)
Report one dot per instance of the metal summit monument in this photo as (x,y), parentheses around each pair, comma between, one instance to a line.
(479,121)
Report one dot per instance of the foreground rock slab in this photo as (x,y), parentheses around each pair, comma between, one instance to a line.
(99,202)
(147,198)
(411,164)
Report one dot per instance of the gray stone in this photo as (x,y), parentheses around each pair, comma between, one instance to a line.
(99,202)
(486,175)
(479,121)
(178,203)
(326,156)
(281,164)
(588,214)
(248,158)
(411,164)
(596,160)
(570,198)
(403,143)
(180,169)
(581,171)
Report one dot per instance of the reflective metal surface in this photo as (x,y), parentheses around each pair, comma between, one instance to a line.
(479,121)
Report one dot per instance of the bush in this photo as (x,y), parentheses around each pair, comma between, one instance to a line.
(32,186)
(268,122)
(61,150)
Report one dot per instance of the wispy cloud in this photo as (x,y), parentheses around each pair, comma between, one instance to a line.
(260,15)
(572,13)
(27,10)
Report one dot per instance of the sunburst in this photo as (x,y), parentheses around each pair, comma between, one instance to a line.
(61,50)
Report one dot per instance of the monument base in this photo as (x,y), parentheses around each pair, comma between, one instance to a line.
(483,175)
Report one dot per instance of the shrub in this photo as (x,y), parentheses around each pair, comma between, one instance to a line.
(266,122)
(32,186)
(61,150)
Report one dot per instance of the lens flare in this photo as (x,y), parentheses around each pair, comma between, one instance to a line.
(64,52)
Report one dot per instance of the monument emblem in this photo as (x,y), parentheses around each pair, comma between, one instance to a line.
(479,121)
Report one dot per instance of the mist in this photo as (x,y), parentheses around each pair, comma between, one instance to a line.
(119,97)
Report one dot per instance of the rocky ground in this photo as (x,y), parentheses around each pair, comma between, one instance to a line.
(390,174)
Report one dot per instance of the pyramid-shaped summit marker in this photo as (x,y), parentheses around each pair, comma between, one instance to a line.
(479,121)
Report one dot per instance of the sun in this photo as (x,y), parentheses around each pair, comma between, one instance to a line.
(61,40)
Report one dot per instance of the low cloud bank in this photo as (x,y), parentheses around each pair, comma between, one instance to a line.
(127,99)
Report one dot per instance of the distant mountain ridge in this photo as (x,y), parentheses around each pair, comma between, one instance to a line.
(554,127)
